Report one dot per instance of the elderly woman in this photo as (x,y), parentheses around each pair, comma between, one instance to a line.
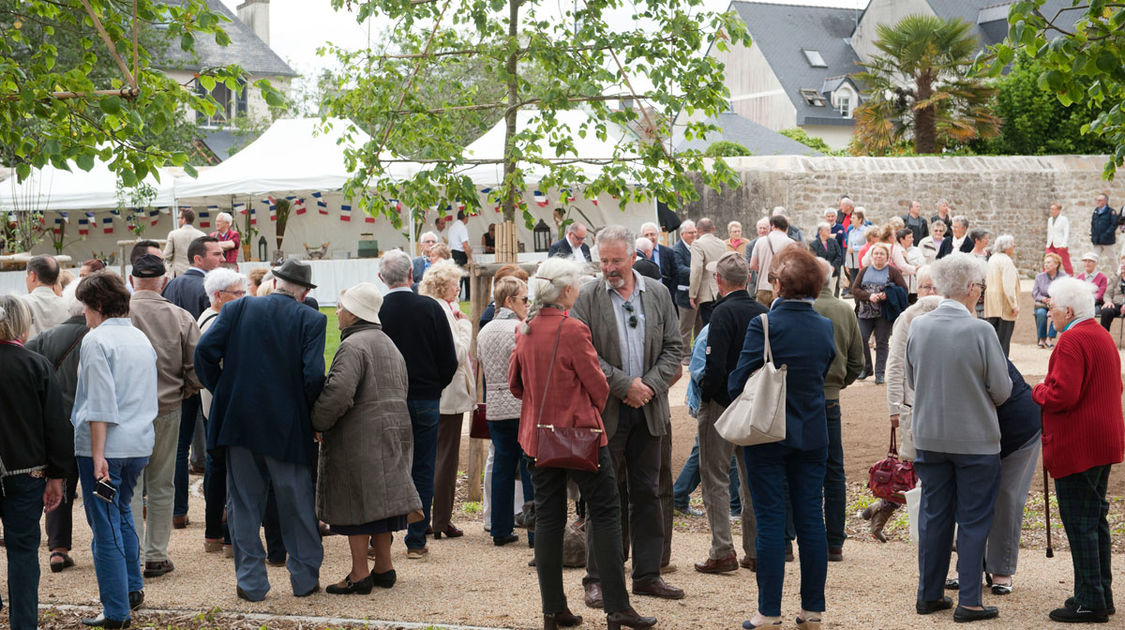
(363,486)
(1002,292)
(566,378)
(870,292)
(114,406)
(1095,280)
(855,239)
(222,286)
(929,245)
(827,247)
(1041,293)
(1083,435)
(255,277)
(495,344)
(912,259)
(1113,305)
(438,252)
(442,283)
(36,447)
(90,266)
(957,385)
(735,242)
(801,339)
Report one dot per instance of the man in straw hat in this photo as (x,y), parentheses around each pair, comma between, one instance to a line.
(273,345)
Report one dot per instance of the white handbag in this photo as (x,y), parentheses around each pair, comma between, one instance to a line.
(757,416)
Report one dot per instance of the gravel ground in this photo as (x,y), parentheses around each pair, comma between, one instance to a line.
(468,581)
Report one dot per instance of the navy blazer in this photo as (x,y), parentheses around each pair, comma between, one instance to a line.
(263,359)
(946,247)
(186,291)
(681,261)
(667,264)
(419,268)
(801,339)
(834,254)
(562,248)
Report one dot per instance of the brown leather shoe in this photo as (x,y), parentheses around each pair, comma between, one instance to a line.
(718,565)
(789,552)
(180,522)
(657,588)
(749,563)
(594,595)
(835,554)
(450,531)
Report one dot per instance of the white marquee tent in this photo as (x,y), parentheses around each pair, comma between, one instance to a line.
(54,189)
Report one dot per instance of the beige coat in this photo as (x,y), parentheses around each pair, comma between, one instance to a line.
(1001,288)
(176,250)
(460,395)
(705,249)
(173,333)
(368,445)
(47,310)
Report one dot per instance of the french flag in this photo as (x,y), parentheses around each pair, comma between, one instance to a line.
(65,217)
(345,212)
(59,221)
(205,219)
(107,225)
(321,204)
(154,216)
(541,200)
(240,208)
(299,205)
(83,226)
(273,208)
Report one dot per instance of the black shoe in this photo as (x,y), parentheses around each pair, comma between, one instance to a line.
(963,615)
(688,511)
(862,375)
(136,598)
(500,541)
(878,380)
(158,568)
(563,619)
(925,608)
(245,596)
(952,584)
(1111,610)
(101,622)
(348,587)
(384,580)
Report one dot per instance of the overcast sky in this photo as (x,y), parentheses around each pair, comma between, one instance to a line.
(299,27)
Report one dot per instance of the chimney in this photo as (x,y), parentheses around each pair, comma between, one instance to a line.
(256,15)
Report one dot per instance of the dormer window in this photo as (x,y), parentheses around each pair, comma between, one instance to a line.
(844,105)
(814,58)
(812,97)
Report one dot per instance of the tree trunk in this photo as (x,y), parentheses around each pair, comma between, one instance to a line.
(510,192)
(925,119)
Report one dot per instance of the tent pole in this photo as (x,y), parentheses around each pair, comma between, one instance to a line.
(413,237)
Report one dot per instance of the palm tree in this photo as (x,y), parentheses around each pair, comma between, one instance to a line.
(920,87)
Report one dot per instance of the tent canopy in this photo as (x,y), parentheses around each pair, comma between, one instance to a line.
(51,188)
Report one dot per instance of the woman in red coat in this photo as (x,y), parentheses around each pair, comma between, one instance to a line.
(1083,435)
(555,372)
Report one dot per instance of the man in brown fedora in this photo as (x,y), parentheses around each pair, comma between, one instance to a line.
(273,345)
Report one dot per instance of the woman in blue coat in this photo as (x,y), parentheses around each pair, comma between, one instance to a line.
(802,340)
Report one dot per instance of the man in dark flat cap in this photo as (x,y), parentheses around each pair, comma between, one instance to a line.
(173,334)
(272,346)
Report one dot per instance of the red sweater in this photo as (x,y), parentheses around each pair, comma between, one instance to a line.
(1081,401)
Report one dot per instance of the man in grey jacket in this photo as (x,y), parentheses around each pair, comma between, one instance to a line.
(957,387)
(636,333)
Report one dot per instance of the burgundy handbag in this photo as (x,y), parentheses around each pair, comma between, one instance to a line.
(574,448)
(889,478)
(478,427)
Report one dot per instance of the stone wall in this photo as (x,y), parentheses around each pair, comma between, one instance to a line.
(1006,195)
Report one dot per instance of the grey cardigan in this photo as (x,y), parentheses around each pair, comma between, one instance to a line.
(368,445)
(495,344)
(957,386)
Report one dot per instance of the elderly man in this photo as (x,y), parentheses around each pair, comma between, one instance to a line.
(173,333)
(635,333)
(1113,304)
(1103,227)
(733,312)
(273,346)
(689,316)
(706,249)
(916,222)
(422,263)
(228,238)
(764,250)
(188,293)
(662,255)
(573,244)
(179,239)
(47,308)
(419,329)
(1083,436)
(961,241)
(843,371)
(844,213)
(792,231)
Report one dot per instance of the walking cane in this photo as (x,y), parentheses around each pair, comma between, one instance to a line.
(1047,511)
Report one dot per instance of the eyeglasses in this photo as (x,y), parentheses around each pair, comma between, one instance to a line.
(234,293)
(628,306)
(928,287)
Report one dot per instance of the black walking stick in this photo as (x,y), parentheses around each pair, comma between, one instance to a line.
(1047,511)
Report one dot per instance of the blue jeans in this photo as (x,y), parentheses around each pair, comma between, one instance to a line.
(424,420)
(21,503)
(190,413)
(768,467)
(1044,327)
(835,486)
(115,546)
(505,465)
(688,479)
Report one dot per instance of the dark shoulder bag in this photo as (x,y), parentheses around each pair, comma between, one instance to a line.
(574,448)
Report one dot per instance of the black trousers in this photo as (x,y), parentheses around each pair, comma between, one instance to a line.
(1108,314)
(462,259)
(635,454)
(60,522)
(603,531)
(1004,329)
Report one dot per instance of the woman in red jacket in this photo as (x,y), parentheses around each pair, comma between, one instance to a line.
(1083,435)
(555,371)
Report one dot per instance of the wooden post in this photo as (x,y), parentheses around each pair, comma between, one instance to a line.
(479,281)
(507,246)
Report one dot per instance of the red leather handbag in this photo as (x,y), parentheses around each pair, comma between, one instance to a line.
(478,428)
(889,478)
(575,448)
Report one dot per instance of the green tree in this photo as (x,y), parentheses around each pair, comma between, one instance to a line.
(726,148)
(919,88)
(77,81)
(412,96)
(1080,50)
(812,142)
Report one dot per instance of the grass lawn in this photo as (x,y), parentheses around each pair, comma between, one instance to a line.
(332,335)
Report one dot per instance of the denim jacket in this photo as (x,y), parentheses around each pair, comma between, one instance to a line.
(695,371)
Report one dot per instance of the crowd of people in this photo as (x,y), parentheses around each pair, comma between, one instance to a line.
(111,377)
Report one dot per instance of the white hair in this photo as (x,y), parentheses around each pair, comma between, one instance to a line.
(954,275)
(1074,294)
(615,233)
(643,244)
(1003,243)
(649,224)
(778,210)
(686,223)
(826,267)
(395,267)
(430,234)
(830,211)
(224,216)
(961,220)
(823,225)
(846,201)
(552,277)
(298,290)
(219,278)
(763,222)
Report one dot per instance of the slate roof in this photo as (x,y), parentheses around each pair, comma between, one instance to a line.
(245,49)
(781,31)
(758,139)
(990,17)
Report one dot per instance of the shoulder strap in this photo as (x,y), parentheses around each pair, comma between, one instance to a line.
(550,370)
(767,354)
(209,318)
(74,345)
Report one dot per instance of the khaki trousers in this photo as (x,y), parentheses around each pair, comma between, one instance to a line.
(714,472)
(158,482)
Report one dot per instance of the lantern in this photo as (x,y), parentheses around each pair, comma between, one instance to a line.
(542,237)
(263,245)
